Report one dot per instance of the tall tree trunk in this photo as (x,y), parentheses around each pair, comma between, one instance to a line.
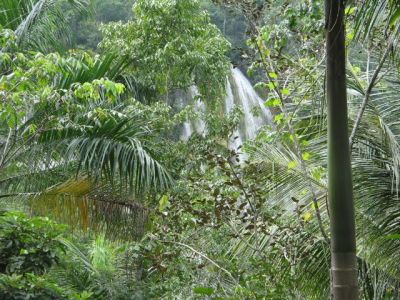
(343,244)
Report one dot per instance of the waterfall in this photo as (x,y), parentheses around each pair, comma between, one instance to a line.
(244,96)
(239,92)
(236,139)
(197,125)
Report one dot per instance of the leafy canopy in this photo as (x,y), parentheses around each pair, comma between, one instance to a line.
(170,51)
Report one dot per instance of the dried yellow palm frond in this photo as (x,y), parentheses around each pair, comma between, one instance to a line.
(88,206)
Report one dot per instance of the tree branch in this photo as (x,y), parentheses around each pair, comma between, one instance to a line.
(203,256)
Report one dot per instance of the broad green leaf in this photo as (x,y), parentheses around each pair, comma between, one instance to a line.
(201,290)
(164,202)
(306,156)
(273,75)
(278,118)
(393,236)
(273,102)
(285,92)
(307,216)
(395,17)
(272,85)
(292,164)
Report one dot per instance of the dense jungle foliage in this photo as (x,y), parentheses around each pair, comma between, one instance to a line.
(128,170)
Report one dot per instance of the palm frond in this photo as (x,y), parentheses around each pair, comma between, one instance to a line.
(78,69)
(39,24)
(376,14)
(111,149)
(99,265)
(375,164)
(98,207)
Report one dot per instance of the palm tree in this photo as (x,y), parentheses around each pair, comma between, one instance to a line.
(340,190)
(99,268)
(100,145)
(39,24)
(373,112)
(375,165)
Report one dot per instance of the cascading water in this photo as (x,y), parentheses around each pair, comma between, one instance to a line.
(198,125)
(244,96)
(239,92)
(236,139)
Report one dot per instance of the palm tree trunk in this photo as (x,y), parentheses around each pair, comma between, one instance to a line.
(343,244)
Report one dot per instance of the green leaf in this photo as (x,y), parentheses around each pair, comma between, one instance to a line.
(273,75)
(350,10)
(278,118)
(307,216)
(306,156)
(394,18)
(23,252)
(260,85)
(292,164)
(273,102)
(164,202)
(271,85)
(350,35)
(317,173)
(393,236)
(201,290)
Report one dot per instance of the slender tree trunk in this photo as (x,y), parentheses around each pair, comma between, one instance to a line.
(343,244)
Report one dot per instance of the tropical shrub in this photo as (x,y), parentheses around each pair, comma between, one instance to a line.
(29,286)
(28,245)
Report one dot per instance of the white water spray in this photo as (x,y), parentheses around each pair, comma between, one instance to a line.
(239,92)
